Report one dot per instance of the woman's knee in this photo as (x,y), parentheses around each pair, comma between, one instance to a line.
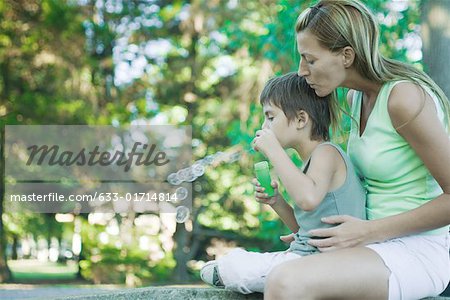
(284,282)
(275,285)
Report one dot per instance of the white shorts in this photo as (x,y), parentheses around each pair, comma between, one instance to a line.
(419,265)
(246,272)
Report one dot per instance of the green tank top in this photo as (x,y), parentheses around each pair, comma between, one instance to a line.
(348,199)
(396,178)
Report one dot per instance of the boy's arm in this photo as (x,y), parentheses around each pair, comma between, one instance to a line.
(306,190)
(278,203)
(286,213)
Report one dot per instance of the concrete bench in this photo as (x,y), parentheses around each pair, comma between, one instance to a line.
(169,293)
(178,292)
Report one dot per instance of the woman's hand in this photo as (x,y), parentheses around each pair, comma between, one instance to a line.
(264,141)
(261,196)
(351,232)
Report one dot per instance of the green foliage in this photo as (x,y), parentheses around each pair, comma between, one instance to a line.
(59,64)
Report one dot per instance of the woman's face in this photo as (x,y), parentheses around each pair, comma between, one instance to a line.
(323,70)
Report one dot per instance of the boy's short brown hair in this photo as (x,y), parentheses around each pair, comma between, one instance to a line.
(291,93)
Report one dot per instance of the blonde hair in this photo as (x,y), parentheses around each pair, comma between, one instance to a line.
(341,23)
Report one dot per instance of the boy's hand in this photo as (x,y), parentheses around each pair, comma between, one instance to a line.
(264,141)
(261,196)
(287,238)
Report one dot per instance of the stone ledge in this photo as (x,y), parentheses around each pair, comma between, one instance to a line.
(175,293)
(169,293)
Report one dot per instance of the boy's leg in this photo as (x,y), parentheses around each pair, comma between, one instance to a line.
(246,272)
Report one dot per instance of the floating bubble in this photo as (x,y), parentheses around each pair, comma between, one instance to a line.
(191,173)
(198,169)
(197,187)
(209,159)
(181,193)
(173,179)
(191,177)
(182,214)
(234,157)
(202,162)
(183,174)
(188,174)
(218,157)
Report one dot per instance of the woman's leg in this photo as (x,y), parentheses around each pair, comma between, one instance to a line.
(356,273)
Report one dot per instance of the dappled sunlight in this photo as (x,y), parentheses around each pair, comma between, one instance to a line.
(199,65)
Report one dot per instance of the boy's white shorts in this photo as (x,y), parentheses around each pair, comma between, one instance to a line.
(246,272)
(419,265)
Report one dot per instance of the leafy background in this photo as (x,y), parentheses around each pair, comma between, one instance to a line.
(199,63)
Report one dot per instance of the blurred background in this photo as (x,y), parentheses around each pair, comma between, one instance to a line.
(148,62)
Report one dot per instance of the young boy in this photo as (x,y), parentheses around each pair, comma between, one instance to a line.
(295,117)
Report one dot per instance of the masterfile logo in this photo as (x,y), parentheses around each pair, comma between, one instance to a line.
(94,157)
(59,168)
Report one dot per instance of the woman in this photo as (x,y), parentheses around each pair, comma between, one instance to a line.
(400,144)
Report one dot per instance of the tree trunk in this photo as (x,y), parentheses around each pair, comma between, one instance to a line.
(5,273)
(15,245)
(180,273)
(183,239)
(436,41)
(436,45)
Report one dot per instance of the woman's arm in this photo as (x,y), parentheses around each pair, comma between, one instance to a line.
(420,127)
(414,113)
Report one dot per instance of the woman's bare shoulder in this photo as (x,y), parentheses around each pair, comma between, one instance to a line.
(406,101)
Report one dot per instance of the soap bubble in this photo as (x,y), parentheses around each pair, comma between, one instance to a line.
(209,159)
(187,174)
(234,157)
(198,169)
(173,179)
(202,162)
(181,193)
(218,155)
(183,174)
(182,214)
(191,177)
(191,173)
